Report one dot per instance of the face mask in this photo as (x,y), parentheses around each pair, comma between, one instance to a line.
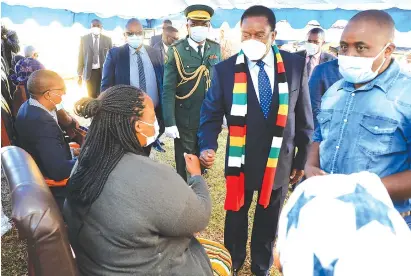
(135,41)
(359,69)
(199,33)
(254,49)
(95,30)
(151,139)
(59,105)
(311,48)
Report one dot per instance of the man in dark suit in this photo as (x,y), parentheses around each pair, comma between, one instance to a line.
(137,65)
(322,78)
(170,35)
(9,46)
(275,117)
(313,53)
(157,38)
(39,133)
(92,54)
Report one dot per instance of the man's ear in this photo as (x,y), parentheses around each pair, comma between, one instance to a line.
(390,50)
(273,36)
(137,127)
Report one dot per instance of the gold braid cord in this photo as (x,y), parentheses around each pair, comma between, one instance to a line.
(186,77)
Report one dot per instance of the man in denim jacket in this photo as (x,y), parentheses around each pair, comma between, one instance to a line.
(365,118)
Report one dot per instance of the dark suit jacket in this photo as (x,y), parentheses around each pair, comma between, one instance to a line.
(116,71)
(155,39)
(160,46)
(260,132)
(40,135)
(85,56)
(322,78)
(324,57)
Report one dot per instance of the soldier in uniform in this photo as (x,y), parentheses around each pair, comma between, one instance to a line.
(187,77)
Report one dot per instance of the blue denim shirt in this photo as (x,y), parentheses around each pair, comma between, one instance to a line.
(369,128)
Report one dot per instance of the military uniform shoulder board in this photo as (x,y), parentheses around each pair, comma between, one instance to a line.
(212,41)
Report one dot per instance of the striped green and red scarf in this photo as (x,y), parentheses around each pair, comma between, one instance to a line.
(238,131)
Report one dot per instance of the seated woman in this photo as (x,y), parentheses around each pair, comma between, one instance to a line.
(126,214)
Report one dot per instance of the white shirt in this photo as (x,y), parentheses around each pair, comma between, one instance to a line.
(194,45)
(269,68)
(165,48)
(96,65)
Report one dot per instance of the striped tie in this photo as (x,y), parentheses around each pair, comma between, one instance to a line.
(141,74)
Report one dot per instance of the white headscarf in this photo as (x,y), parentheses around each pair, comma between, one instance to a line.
(343,225)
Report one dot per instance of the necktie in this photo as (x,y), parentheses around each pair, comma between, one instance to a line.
(199,50)
(264,89)
(95,50)
(141,74)
(309,66)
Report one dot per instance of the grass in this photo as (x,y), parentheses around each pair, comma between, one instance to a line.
(13,253)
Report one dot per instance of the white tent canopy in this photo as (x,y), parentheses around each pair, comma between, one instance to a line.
(161,8)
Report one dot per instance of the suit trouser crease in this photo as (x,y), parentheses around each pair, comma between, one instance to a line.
(263,233)
(94,83)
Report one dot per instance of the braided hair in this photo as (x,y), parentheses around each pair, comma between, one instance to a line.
(110,136)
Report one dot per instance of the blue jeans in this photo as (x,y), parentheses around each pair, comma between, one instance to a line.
(408,221)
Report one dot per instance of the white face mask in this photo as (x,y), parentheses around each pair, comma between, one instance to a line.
(151,139)
(311,48)
(199,33)
(359,69)
(95,30)
(254,49)
(59,106)
(135,41)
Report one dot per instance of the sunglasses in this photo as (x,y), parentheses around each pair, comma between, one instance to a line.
(56,89)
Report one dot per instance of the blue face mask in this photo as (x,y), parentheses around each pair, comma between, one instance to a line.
(135,41)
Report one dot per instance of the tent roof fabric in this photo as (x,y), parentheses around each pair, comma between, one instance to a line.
(126,8)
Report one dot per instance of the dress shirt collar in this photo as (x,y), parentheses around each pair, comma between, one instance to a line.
(194,44)
(165,47)
(268,60)
(133,51)
(35,102)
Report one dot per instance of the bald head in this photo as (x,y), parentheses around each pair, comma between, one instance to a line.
(41,81)
(133,22)
(375,19)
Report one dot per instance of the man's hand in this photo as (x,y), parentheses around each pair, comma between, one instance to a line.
(311,171)
(192,164)
(80,80)
(207,158)
(76,152)
(296,176)
(172,132)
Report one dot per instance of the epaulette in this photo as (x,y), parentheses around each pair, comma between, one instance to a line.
(212,41)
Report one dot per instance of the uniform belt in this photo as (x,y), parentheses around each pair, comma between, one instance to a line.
(405,214)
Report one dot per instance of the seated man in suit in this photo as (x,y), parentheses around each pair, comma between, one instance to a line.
(170,35)
(313,54)
(157,38)
(137,65)
(38,131)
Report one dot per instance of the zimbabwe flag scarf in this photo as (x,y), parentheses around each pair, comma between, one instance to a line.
(238,131)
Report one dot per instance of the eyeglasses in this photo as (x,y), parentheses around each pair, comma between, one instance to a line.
(55,89)
(134,33)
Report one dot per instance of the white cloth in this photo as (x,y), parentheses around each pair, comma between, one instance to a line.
(269,68)
(172,132)
(96,65)
(343,225)
(5,224)
(195,45)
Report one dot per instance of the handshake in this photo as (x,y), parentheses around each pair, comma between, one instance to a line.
(207,157)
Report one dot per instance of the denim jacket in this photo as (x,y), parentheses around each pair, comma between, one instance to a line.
(369,128)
